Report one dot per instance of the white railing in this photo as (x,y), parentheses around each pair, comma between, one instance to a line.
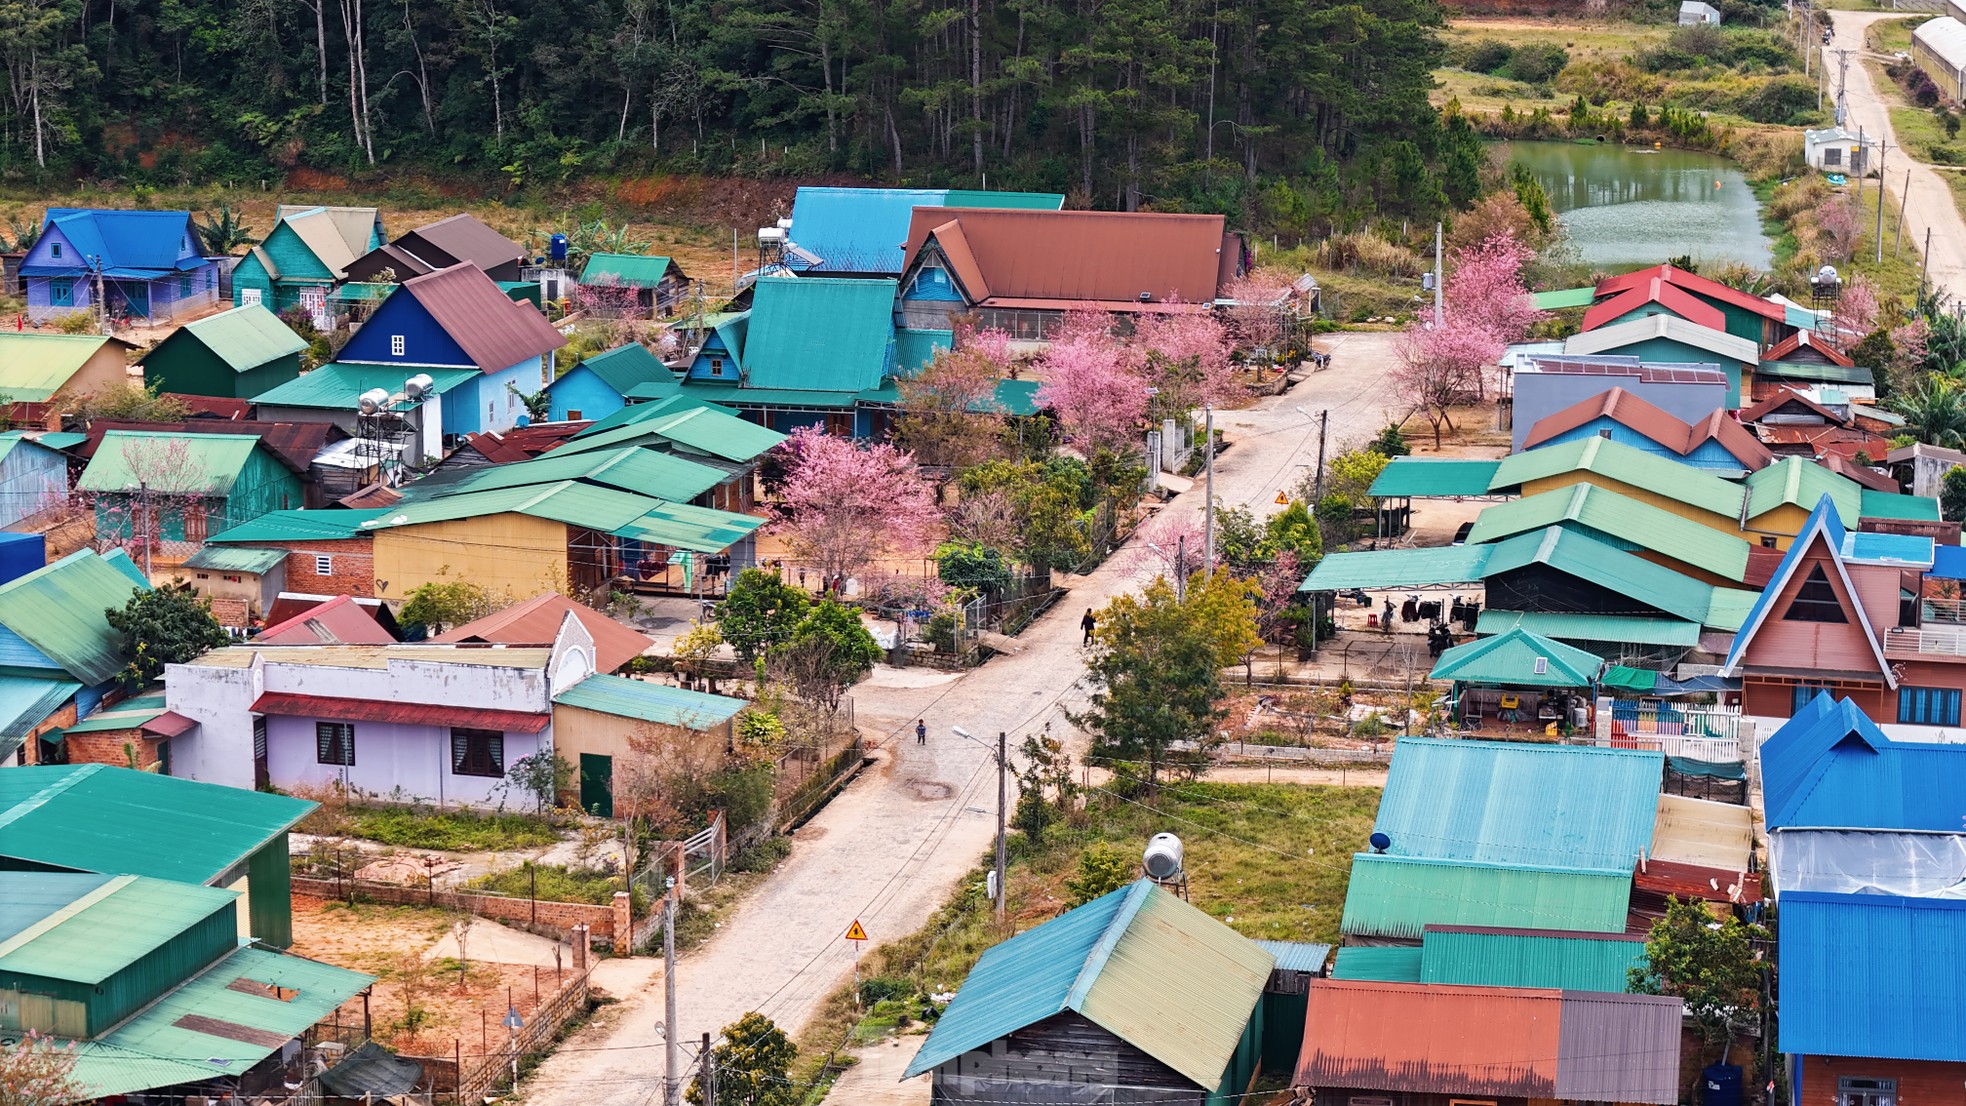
(1700,733)
(1926,642)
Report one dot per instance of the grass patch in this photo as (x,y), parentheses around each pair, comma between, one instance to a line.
(558,883)
(1925,138)
(1893,36)
(412,827)
(1608,40)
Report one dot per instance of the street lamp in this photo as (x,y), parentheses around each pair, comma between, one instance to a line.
(513,1023)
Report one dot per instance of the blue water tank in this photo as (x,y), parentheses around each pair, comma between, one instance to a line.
(557,246)
(21,554)
(1720,1085)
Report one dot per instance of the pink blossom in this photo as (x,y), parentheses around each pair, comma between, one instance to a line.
(848,505)
(1440,367)
(992,343)
(1485,289)
(1094,383)
(1194,356)
(1856,312)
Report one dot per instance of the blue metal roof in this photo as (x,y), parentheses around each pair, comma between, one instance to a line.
(1593,809)
(1297,956)
(1949,562)
(1831,767)
(129,243)
(1907,550)
(865,230)
(1873,976)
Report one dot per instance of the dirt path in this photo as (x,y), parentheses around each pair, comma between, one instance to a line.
(888,850)
(1931,203)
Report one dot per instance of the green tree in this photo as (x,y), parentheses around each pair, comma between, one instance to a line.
(1709,964)
(1934,411)
(1224,606)
(543,775)
(1294,529)
(828,651)
(972,566)
(223,231)
(753,1061)
(760,611)
(1391,442)
(1046,791)
(132,402)
(1156,674)
(171,624)
(441,604)
(1103,870)
(1952,495)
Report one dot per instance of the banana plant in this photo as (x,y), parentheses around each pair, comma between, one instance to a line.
(223,231)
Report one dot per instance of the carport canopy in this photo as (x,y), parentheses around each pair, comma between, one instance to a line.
(1399,568)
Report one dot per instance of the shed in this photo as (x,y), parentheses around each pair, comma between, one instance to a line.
(1833,150)
(1136,993)
(33,479)
(1496,956)
(175,490)
(537,621)
(248,576)
(1395,898)
(596,721)
(1938,46)
(234,354)
(594,388)
(34,368)
(655,284)
(1694,12)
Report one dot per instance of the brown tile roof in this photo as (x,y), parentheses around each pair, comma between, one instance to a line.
(1684,304)
(1841,458)
(1102,259)
(523,443)
(494,332)
(537,621)
(294,443)
(466,238)
(1627,409)
(370,497)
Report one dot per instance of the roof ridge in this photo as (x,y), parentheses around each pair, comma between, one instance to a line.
(1102,950)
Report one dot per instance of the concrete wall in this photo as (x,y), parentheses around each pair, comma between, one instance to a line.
(1541,394)
(394,762)
(512,555)
(220,749)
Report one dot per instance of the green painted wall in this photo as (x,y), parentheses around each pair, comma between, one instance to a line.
(182,363)
(263,485)
(1665,349)
(292,258)
(249,273)
(269,883)
(129,990)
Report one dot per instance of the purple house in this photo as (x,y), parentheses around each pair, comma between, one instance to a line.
(146,266)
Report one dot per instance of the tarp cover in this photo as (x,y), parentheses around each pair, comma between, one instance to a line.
(1720,770)
(371,1070)
(1864,862)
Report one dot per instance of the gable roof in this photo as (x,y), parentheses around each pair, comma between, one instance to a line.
(1822,528)
(522,442)
(650,702)
(1619,517)
(1615,336)
(1399,896)
(712,431)
(296,444)
(630,270)
(1830,766)
(1666,295)
(466,239)
(1589,559)
(1462,800)
(1110,961)
(339,621)
(624,367)
(244,337)
(1801,339)
(1873,976)
(1801,482)
(1657,425)
(139,244)
(1486,956)
(820,335)
(865,230)
(33,367)
(209,464)
(493,331)
(1626,464)
(1420,477)
(1784,396)
(58,609)
(1692,282)
(1063,259)
(335,236)
(276,527)
(537,621)
(629,468)
(622,513)
(339,384)
(1517,657)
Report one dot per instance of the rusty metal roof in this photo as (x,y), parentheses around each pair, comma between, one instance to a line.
(409,714)
(493,331)
(1656,425)
(1103,259)
(339,621)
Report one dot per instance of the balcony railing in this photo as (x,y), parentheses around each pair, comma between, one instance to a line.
(1708,733)
(1927,641)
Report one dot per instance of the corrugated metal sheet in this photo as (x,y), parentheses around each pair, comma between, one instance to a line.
(1597,562)
(629,269)
(126,714)
(1297,956)
(207,464)
(98,818)
(639,699)
(1442,1040)
(1487,957)
(643,471)
(236,558)
(59,610)
(300,526)
(408,714)
(1699,831)
(915,348)
(1873,975)
(1463,800)
(1385,963)
(1876,504)
(34,367)
(1606,512)
(339,621)
(1656,425)
(337,386)
(26,702)
(537,622)
(1434,477)
(244,337)
(125,239)
(627,366)
(1111,960)
(1095,258)
(1619,1048)
(692,425)
(1832,767)
(1562,298)
(1518,658)
(861,230)
(99,927)
(684,526)
(1398,897)
(1592,627)
(1620,462)
(1392,568)
(1800,482)
(820,335)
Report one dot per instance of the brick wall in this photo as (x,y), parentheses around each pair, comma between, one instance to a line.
(30,746)
(554,919)
(353,563)
(113,747)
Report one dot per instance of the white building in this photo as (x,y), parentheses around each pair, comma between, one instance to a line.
(1836,150)
(1693,11)
(1938,46)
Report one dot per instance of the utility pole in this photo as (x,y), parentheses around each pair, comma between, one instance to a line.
(672,1078)
(1842,82)
(1904,204)
(102,304)
(1003,798)
(1208,507)
(706,1081)
(1863,162)
(1323,423)
(1924,262)
(1440,278)
(1884,151)
(1181,569)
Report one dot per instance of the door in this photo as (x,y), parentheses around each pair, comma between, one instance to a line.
(249,297)
(163,758)
(262,779)
(1851,1091)
(597,784)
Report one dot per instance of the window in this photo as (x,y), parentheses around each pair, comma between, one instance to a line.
(249,297)
(1605,434)
(1815,601)
(1928,706)
(1852,1091)
(55,249)
(477,753)
(323,564)
(573,414)
(195,528)
(716,366)
(1833,155)
(1806,692)
(61,293)
(204,576)
(511,399)
(334,743)
(183,286)
(1768,541)
(395,345)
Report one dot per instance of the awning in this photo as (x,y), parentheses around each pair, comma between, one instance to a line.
(1626,629)
(169,724)
(371,1071)
(409,714)
(1712,769)
(1434,478)
(1399,568)
(1619,678)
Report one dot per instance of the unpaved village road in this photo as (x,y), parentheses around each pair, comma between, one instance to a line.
(890,848)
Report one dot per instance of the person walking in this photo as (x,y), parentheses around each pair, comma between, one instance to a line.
(1089,623)
(921,732)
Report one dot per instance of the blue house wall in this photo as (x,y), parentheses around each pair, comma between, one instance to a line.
(714,350)
(485,403)
(1707,455)
(16,653)
(51,295)
(580,389)
(932,285)
(424,342)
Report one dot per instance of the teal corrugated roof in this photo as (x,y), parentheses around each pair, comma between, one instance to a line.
(1396,568)
(1615,460)
(644,471)
(1876,504)
(124,714)
(1593,627)
(1478,957)
(1434,477)
(734,395)
(624,368)
(1727,608)
(33,367)
(26,702)
(334,524)
(59,609)
(625,514)
(1463,800)
(236,558)
(629,269)
(1605,512)
(820,335)
(92,928)
(862,230)
(100,818)
(206,464)
(337,386)
(1647,585)
(245,337)
(916,348)
(686,526)
(1382,963)
(1518,658)
(697,427)
(639,699)
(1799,482)
(1392,896)
(1561,298)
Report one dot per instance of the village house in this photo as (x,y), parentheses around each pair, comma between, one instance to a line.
(172,491)
(606,718)
(538,620)
(1821,423)
(235,354)
(304,257)
(146,266)
(441,245)
(298,446)
(59,657)
(1834,766)
(649,287)
(337,620)
(860,232)
(38,372)
(1714,443)
(1541,384)
(33,478)
(240,581)
(1659,335)
(702,433)
(327,552)
(1804,359)
(594,388)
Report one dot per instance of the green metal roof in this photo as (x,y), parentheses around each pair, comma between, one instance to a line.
(1589,559)
(245,337)
(1518,659)
(337,386)
(1620,678)
(1434,477)
(1397,568)
(208,464)
(333,524)
(1383,963)
(1876,504)
(26,702)
(916,348)
(1802,483)
(1561,298)
(1396,896)
(1617,461)
(1018,397)
(644,471)
(1593,627)
(736,395)
(625,514)
(99,818)
(54,439)
(694,426)
(1529,958)
(631,269)
(1816,373)
(624,368)
(666,706)
(237,558)
(34,367)
(820,335)
(156,1049)
(1727,608)
(1607,513)
(124,715)
(91,928)
(1110,960)
(58,609)
(685,526)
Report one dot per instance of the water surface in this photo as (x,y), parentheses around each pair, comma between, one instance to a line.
(1624,206)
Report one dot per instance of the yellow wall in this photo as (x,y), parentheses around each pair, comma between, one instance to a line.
(1723,523)
(511,555)
(1783,522)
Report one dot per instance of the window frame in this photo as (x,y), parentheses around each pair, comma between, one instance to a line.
(324,564)
(1807,607)
(477,752)
(397,345)
(343,734)
(1928,706)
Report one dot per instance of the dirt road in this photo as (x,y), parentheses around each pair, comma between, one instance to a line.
(1930,203)
(889,849)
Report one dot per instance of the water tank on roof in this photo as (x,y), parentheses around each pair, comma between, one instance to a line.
(556,246)
(418,386)
(1163,857)
(373,400)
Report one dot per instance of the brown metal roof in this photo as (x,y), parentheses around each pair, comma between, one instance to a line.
(294,443)
(537,621)
(409,714)
(1618,1048)
(1627,409)
(494,332)
(213,407)
(1107,259)
(465,238)
(523,443)
(1782,397)
(339,621)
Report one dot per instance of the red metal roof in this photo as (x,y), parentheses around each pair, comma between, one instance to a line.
(1431,1039)
(169,724)
(1056,259)
(494,332)
(1658,425)
(1689,307)
(1782,397)
(1698,881)
(410,714)
(339,621)
(537,621)
(290,603)
(1696,284)
(1800,340)
(523,443)
(217,407)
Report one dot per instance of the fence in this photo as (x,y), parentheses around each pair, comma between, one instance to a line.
(1699,733)
(473,1084)
(546,916)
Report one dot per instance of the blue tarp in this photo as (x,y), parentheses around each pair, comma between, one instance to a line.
(1949,562)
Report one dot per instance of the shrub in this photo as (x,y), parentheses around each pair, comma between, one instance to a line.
(1783,100)
(1364,251)
(1538,64)
(81,321)
(1924,93)
(1609,80)
(1488,56)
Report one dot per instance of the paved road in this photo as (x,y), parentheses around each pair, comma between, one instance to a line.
(892,846)
(1930,203)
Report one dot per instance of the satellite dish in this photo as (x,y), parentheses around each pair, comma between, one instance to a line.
(1380,842)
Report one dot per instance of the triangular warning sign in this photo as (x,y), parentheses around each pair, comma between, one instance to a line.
(855,933)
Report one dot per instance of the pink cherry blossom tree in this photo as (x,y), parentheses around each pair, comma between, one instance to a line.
(848,505)
(1441,366)
(1857,312)
(1187,359)
(1095,383)
(1485,289)
(1260,314)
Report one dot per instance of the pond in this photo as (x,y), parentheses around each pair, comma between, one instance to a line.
(1626,206)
